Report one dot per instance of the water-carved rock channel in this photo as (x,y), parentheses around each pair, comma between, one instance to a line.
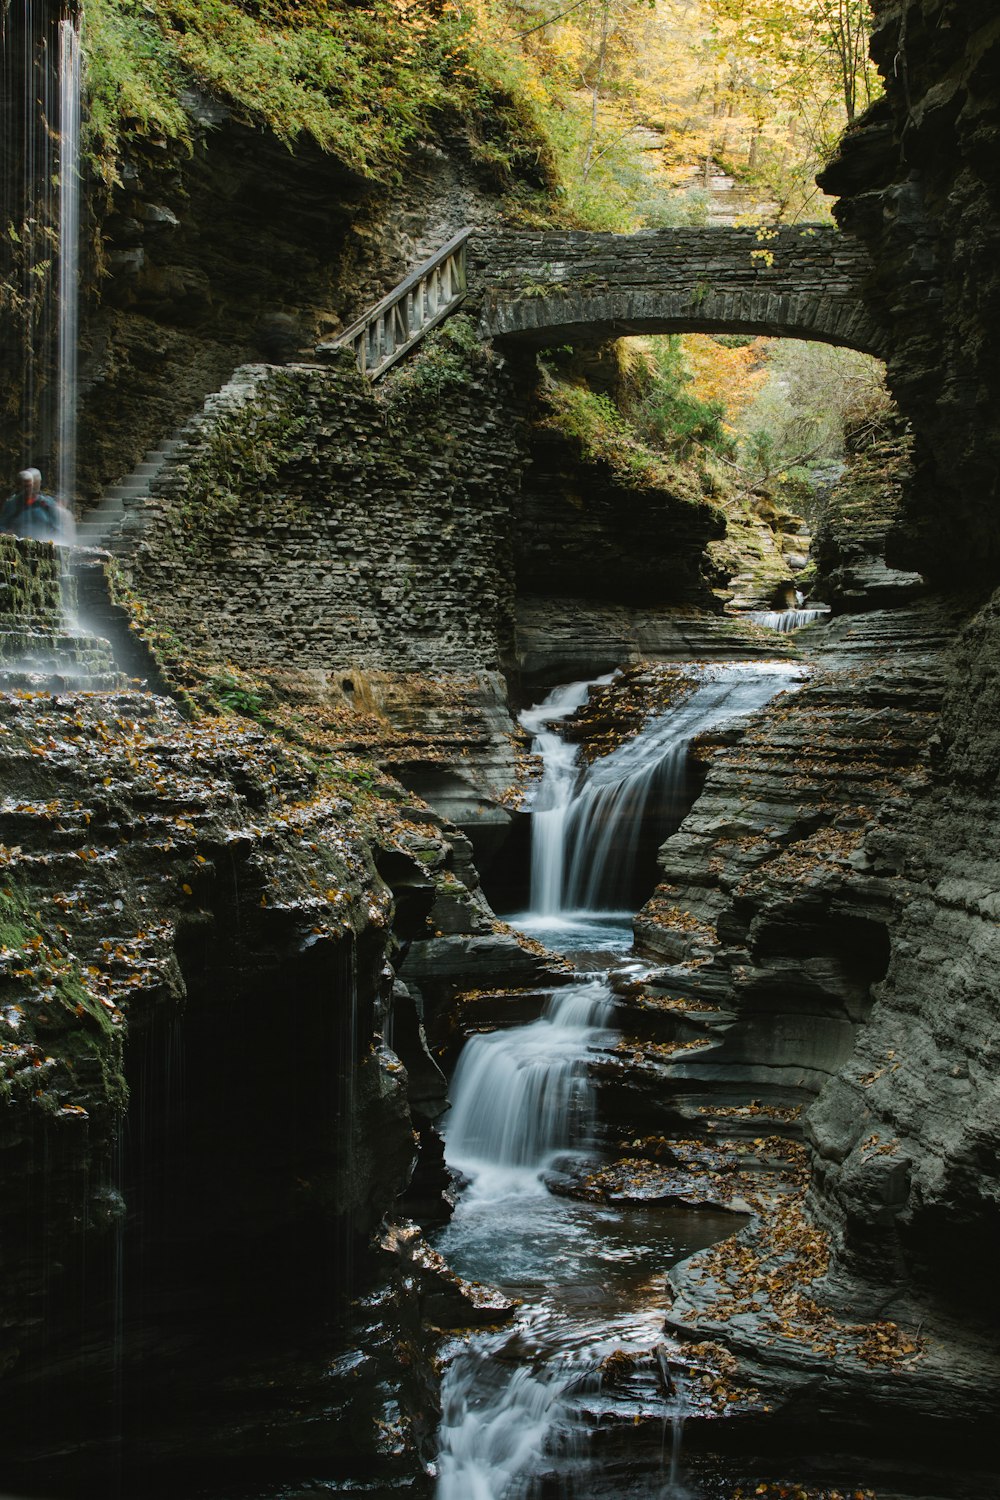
(523,1408)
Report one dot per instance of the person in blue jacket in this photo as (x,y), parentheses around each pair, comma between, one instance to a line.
(30,513)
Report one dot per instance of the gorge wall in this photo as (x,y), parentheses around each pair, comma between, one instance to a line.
(917,181)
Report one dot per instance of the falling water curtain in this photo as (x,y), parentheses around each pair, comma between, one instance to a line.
(30,48)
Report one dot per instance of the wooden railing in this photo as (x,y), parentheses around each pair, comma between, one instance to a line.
(417,305)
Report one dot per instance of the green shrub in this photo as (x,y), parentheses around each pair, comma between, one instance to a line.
(669,416)
(362,83)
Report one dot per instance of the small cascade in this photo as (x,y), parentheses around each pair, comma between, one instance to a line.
(495,1424)
(521,1097)
(551,803)
(674,1425)
(785,620)
(588,825)
(520,1406)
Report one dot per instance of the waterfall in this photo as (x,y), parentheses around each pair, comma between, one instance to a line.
(522,1103)
(551,803)
(69,255)
(40,115)
(785,620)
(588,825)
(521,1097)
(494,1424)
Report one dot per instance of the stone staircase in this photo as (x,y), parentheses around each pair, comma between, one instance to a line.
(103,525)
(382,336)
(45,647)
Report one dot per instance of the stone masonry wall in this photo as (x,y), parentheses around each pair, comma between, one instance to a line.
(799,281)
(313,523)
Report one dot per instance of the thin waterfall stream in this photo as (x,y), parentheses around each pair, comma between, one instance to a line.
(519,1405)
(69,256)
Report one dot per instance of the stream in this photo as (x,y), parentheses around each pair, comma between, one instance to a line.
(519,1405)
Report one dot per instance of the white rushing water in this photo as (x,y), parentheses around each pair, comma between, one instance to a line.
(587,824)
(69,255)
(515,1403)
(521,1097)
(554,795)
(785,620)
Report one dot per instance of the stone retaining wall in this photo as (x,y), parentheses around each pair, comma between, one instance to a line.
(311,523)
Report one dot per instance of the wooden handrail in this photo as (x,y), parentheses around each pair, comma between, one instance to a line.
(425,298)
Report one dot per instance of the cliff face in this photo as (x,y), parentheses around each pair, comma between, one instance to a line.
(193,1081)
(918,181)
(905,1137)
(192,263)
(378,565)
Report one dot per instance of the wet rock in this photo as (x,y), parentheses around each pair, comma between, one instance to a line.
(191,960)
(442,967)
(447,1301)
(860,511)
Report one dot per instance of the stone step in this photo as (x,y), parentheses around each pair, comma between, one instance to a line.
(102,515)
(62,682)
(123,490)
(92,526)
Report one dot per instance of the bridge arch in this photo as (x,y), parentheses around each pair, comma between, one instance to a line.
(569,287)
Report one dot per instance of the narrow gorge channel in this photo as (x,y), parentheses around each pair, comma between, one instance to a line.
(520,1406)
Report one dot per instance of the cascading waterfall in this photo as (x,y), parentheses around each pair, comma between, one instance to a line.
(522,1102)
(785,620)
(522,1096)
(554,796)
(521,1099)
(587,825)
(40,117)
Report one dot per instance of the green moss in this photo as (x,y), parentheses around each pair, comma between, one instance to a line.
(134,79)
(447,359)
(89,1047)
(22,932)
(243,461)
(603,434)
(14,928)
(363,82)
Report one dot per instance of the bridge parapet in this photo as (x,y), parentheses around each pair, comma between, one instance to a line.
(794,281)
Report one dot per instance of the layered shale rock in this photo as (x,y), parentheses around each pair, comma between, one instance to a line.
(861,510)
(172,305)
(828,933)
(193,1001)
(905,1139)
(766,913)
(916,179)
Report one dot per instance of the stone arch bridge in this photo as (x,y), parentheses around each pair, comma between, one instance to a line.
(551,287)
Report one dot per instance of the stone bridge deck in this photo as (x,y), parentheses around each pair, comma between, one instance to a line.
(552,287)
